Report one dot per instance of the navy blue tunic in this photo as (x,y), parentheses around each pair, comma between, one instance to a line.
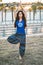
(20,27)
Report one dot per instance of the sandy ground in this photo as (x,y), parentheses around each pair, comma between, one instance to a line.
(9,53)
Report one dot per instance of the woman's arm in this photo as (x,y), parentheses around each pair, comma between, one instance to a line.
(25,25)
(15,24)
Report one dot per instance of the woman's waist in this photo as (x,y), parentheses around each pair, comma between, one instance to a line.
(20,33)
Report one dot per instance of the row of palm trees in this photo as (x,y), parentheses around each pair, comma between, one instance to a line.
(4,8)
(34,7)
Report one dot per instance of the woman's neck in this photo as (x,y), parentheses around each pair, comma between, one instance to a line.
(20,19)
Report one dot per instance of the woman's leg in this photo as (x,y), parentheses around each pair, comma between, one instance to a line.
(22,46)
(13,39)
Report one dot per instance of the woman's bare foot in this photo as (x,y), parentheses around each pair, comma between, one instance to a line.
(20,57)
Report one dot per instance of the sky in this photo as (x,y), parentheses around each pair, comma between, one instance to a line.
(21,0)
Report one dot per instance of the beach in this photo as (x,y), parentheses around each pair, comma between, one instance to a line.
(9,53)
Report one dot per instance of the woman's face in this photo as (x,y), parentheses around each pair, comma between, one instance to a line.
(20,15)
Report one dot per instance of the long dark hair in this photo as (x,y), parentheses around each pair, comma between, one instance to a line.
(17,18)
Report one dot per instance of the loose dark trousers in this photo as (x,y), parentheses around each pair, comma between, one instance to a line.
(15,38)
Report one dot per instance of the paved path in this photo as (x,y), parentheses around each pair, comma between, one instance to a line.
(33,56)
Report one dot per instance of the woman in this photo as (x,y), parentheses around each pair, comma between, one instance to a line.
(20,36)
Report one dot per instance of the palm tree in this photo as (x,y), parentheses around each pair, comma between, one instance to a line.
(39,7)
(12,13)
(5,15)
(34,11)
(6,8)
(2,14)
(12,9)
(30,9)
(1,9)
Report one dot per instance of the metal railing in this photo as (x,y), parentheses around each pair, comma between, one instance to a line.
(7,29)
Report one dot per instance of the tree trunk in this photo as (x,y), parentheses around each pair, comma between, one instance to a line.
(2,15)
(12,14)
(33,15)
(5,15)
(30,16)
(40,15)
